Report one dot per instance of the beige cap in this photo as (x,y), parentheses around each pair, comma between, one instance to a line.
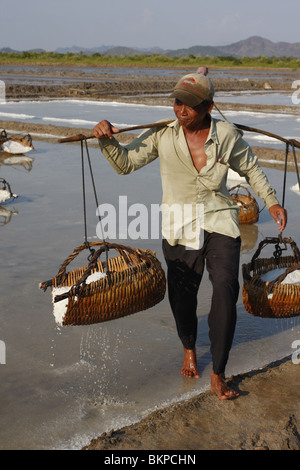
(194,88)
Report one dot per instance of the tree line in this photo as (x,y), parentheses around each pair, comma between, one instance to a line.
(145,60)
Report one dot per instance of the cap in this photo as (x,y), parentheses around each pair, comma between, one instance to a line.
(194,88)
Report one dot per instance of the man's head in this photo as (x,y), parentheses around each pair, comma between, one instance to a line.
(193,89)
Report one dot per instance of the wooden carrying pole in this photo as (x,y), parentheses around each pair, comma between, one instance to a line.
(79,137)
(294,142)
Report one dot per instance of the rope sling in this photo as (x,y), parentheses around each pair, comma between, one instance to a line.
(274,296)
(128,283)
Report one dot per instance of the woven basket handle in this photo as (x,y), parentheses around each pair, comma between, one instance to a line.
(275,241)
(121,249)
(242,187)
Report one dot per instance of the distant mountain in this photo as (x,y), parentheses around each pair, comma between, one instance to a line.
(112,50)
(252,47)
(7,49)
(257,46)
(203,51)
(84,50)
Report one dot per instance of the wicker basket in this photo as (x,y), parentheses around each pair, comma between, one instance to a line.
(18,146)
(249,211)
(131,282)
(272,299)
(3,137)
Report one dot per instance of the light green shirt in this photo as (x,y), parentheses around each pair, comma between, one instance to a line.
(189,196)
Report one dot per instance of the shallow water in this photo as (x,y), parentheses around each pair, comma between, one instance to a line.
(62,386)
(84,113)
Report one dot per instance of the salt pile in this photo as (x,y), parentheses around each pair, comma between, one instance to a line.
(4,195)
(295,188)
(95,277)
(17,148)
(60,307)
(291,278)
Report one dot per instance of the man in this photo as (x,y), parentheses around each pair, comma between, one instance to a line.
(195,152)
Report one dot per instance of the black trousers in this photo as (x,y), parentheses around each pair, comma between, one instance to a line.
(221,255)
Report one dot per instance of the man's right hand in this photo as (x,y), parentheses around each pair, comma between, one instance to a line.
(104,129)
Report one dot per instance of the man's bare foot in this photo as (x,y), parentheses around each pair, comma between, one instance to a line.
(189,368)
(220,387)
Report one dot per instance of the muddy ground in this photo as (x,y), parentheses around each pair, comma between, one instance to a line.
(66,82)
(266,416)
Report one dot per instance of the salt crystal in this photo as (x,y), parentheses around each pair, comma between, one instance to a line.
(292,278)
(60,307)
(95,277)
(4,195)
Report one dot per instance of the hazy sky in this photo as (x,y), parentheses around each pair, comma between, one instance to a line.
(169,24)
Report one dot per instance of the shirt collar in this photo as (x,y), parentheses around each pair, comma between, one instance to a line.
(212,135)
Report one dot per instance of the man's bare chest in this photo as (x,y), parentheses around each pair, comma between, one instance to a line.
(197,151)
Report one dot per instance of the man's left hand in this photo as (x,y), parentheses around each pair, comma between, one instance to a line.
(279,214)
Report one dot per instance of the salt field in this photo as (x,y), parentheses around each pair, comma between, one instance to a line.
(83,113)
(62,386)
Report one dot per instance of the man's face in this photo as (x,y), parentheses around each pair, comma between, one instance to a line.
(191,118)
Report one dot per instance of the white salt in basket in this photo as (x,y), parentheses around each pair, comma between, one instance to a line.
(122,285)
(271,286)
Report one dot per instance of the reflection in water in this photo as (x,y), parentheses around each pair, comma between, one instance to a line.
(6,215)
(6,194)
(249,234)
(17,161)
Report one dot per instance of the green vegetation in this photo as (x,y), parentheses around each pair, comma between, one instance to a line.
(143,60)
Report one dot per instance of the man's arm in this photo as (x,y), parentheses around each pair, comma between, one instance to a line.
(245,162)
(126,158)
